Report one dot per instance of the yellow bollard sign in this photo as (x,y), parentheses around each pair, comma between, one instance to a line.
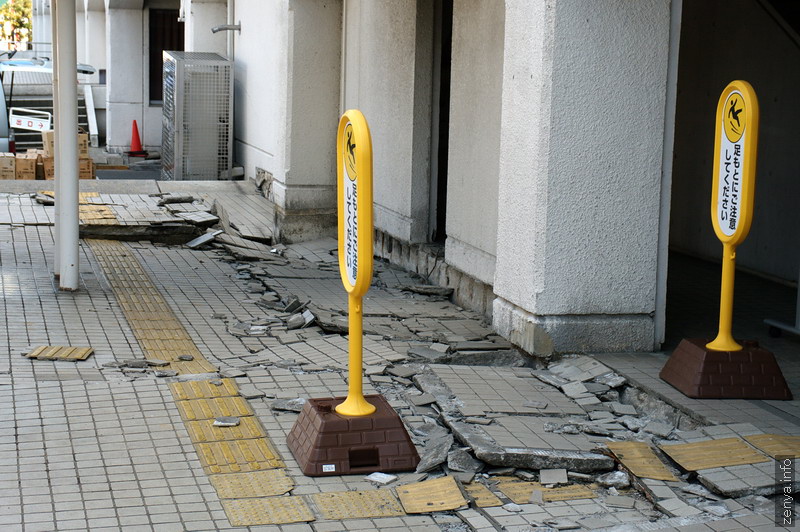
(733,191)
(354,192)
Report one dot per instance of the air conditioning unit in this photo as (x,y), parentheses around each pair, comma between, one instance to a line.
(197,141)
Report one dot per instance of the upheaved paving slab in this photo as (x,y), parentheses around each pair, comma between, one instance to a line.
(267,511)
(431,496)
(528,431)
(776,445)
(342,505)
(482,495)
(640,459)
(267,483)
(60,352)
(713,453)
(520,492)
(490,389)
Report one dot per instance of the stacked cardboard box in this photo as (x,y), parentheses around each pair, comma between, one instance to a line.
(85,164)
(7,166)
(25,166)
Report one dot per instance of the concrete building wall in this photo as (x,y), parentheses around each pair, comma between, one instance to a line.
(708,63)
(388,76)
(95,42)
(200,17)
(474,148)
(125,94)
(260,88)
(584,89)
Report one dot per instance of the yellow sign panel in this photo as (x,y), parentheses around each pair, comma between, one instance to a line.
(734,162)
(733,191)
(354,199)
(354,152)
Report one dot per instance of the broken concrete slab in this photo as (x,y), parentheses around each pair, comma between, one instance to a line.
(435,453)
(623,409)
(427,354)
(289,405)
(421,400)
(461,460)
(610,379)
(169,198)
(549,378)
(427,290)
(403,372)
(662,430)
(226,421)
(620,501)
(482,346)
(203,239)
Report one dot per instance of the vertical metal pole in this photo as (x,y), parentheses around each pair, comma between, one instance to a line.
(724,340)
(56,159)
(67,123)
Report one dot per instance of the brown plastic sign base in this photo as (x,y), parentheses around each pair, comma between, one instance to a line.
(325,442)
(698,372)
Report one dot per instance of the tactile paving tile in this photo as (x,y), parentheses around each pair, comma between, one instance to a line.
(431,496)
(520,492)
(483,496)
(640,459)
(158,331)
(267,511)
(238,456)
(60,352)
(205,389)
(267,483)
(713,453)
(197,409)
(204,431)
(776,445)
(357,504)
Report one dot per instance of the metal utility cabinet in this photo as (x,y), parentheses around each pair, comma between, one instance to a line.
(197,140)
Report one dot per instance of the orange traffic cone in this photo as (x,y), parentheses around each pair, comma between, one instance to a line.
(136,144)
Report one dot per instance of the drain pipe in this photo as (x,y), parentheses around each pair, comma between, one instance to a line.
(231,16)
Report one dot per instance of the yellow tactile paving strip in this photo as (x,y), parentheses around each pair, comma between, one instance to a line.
(205,431)
(341,505)
(267,483)
(238,456)
(60,352)
(713,453)
(776,445)
(155,326)
(520,492)
(203,389)
(197,409)
(483,496)
(90,213)
(431,496)
(267,511)
(640,459)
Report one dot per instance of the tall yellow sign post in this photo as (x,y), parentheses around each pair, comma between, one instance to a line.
(353,434)
(733,191)
(354,192)
(722,368)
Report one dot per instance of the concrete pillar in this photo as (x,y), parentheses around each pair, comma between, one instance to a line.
(42,33)
(305,194)
(95,40)
(80,31)
(388,69)
(581,150)
(67,123)
(56,151)
(125,75)
(476,91)
(201,16)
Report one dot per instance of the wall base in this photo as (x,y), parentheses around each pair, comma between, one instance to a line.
(427,261)
(550,335)
(298,226)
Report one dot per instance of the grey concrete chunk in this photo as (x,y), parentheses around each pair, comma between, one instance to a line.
(289,405)
(662,430)
(226,421)
(623,409)
(461,460)
(574,389)
(619,501)
(615,479)
(553,476)
(611,379)
(435,453)
(421,400)
(402,371)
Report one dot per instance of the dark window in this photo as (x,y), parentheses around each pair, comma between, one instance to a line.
(166,33)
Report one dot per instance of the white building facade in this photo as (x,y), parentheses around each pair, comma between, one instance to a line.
(551,150)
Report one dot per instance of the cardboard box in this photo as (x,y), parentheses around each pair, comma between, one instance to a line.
(83,145)
(25,166)
(7,166)
(85,168)
(48,167)
(48,142)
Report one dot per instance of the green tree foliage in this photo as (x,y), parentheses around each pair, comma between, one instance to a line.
(16,21)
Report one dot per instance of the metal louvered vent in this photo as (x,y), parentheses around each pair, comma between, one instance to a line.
(197,140)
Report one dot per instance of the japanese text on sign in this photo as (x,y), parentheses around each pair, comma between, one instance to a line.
(350,206)
(731,162)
